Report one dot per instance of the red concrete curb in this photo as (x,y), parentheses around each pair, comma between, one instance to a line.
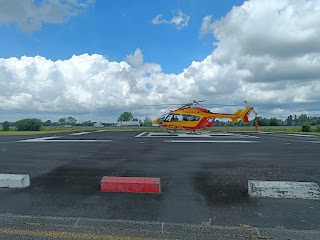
(130,184)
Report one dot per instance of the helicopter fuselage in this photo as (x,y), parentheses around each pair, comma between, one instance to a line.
(197,118)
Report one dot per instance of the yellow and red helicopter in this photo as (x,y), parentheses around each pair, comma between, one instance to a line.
(192,116)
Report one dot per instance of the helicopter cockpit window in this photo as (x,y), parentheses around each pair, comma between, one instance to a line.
(193,118)
(180,118)
(177,118)
(169,118)
(163,117)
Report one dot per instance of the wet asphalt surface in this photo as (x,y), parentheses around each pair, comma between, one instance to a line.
(199,180)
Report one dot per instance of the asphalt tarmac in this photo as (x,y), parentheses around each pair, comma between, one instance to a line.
(202,177)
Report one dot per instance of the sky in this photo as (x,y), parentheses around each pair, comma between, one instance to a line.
(94,60)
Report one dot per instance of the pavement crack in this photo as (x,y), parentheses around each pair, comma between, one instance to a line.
(75,225)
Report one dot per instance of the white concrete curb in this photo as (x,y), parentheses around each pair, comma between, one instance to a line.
(283,189)
(14,180)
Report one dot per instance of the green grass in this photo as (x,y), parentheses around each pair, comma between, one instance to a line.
(47,130)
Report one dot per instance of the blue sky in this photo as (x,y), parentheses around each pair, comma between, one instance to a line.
(117,28)
(96,59)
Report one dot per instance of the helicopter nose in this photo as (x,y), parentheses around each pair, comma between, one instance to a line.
(156,121)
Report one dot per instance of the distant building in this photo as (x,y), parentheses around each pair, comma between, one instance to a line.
(98,124)
(133,123)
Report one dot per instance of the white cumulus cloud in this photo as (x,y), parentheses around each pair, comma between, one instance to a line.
(180,19)
(266,52)
(29,15)
(206,26)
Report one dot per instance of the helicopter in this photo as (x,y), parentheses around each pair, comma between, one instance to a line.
(193,116)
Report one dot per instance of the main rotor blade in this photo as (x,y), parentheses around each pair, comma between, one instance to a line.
(218,104)
(204,104)
(164,104)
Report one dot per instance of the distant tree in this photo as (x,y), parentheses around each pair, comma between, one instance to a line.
(240,123)
(147,122)
(318,128)
(125,116)
(289,120)
(305,127)
(29,124)
(55,124)
(274,122)
(87,123)
(263,121)
(302,118)
(5,126)
(295,121)
(47,123)
(62,121)
(314,121)
(71,121)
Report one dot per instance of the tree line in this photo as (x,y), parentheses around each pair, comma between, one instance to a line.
(289,121)
(33,124)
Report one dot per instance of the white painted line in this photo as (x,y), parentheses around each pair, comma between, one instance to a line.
(99,131)
(202,135)
(221,134)
(284,189)
(243,136)
(79,133)
(189,134)
(139,135)
(38,139)
(301,135)
(14,180)
(209,141)
(160,134)
(69,141)
(250,136)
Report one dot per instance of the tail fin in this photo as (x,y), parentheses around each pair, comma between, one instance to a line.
(237,113)
(245,113)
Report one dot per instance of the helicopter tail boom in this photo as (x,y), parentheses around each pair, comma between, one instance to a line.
(237,116)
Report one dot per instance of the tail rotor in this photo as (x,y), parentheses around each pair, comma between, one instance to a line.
(254,111)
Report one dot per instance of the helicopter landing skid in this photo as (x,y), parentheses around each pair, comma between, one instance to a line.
(171,131)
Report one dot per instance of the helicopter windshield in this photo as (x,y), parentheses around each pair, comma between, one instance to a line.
(163,118)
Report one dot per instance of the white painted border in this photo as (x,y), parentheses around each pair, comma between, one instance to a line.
(79,133)
(301,135)
(209,141)
(42,139)
(77,140)
(141,134)
(203,135)
(284,189)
